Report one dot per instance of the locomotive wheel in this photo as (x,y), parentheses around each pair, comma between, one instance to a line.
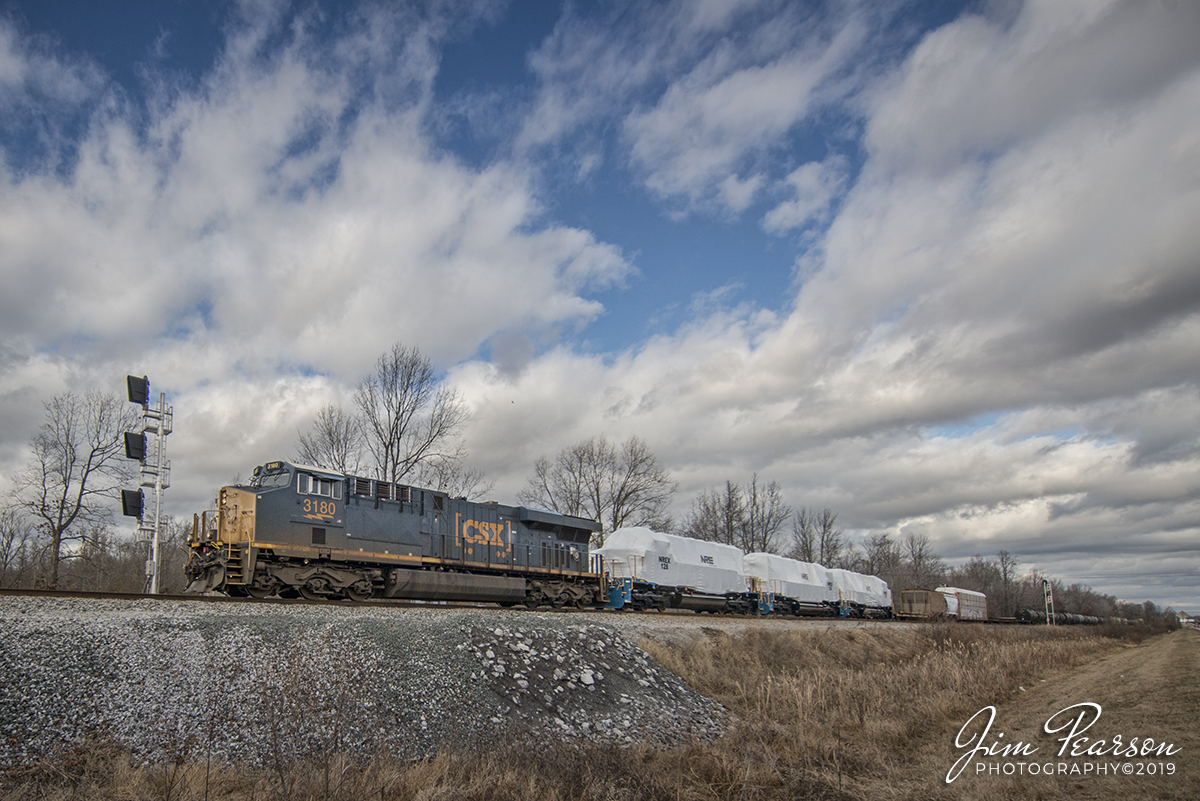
(358,596)
(259,592)
(311,595)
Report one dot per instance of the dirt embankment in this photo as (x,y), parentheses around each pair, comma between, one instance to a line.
(1151,690)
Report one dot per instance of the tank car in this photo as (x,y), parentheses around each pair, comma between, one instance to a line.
(303,531)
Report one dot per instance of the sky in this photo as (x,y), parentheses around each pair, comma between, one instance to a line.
(935,266)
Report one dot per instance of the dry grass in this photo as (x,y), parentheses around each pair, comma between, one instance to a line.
(817,714)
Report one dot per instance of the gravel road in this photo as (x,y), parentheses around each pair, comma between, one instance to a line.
(256,683)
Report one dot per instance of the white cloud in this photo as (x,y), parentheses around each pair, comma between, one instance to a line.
(816,185)
(705,94)
(1020,244)
(277,224)
(993,342)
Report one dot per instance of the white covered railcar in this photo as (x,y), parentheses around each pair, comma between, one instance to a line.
(865,595)
(651,569)
(800,588)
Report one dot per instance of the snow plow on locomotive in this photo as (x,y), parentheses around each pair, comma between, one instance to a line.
(304,531)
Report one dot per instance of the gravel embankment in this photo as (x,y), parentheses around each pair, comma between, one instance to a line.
(259,683)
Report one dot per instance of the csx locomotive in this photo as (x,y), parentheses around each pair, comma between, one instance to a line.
(304,531)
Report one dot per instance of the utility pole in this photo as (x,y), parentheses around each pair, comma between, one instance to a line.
(156,470)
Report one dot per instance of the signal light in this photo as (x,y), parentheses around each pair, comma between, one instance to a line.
(139,389)
(133,502)
(135,446)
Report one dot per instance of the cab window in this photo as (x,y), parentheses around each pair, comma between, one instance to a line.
(315,485)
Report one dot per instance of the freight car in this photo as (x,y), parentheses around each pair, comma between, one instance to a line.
(792,587)
(965,604)
(943,602)
(303,531)
(650,569)
(860,595)
(924,604)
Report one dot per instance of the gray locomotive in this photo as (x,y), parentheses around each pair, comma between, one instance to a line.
(303,531)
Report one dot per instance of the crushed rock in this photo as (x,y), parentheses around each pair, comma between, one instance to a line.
(260,683)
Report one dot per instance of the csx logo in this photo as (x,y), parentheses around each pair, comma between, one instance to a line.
(481,532)
(706,560)
(664,562)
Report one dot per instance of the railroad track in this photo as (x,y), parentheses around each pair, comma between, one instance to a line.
(216,598)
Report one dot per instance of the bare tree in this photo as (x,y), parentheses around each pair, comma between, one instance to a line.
(639,489)
(717,516)
(925,567)
(1007,563)
(765,515)
(804,536)
(408,420)
(334,442)
(16,548)
(881,557)
(830,543)
(454,478)
(596,480)
(77,467)
(749,517)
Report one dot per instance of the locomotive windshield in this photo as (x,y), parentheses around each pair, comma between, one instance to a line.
(272,474)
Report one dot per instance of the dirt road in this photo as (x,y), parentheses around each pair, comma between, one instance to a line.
(1148,692)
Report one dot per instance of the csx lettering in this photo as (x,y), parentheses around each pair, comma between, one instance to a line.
(483,532)
(322,508)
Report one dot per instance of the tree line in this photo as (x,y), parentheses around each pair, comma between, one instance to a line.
(406,426)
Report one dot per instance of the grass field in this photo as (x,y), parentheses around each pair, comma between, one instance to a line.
(829,714)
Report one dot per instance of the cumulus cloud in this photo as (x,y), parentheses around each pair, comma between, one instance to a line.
(815,186)
(990,338)
(1018,247)
(706,94)
(283,217)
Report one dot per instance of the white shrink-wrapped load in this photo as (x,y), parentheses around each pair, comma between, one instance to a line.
(879,592)
(672,561)
(800,581)
(869,591)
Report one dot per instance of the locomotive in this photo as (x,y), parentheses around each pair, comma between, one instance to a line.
(295,530)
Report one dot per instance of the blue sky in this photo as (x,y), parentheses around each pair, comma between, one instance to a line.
(931,265)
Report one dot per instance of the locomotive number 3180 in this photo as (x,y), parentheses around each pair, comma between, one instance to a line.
(323,508)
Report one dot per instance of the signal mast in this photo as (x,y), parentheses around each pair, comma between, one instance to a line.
(156,470)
